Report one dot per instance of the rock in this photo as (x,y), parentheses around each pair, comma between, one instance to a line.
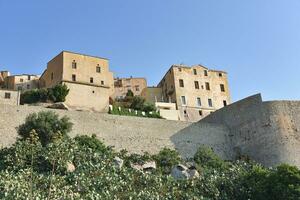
(151,165)
(137,167)
(70,167)
(143,113)
(118,162)
(180,172)
(59,105)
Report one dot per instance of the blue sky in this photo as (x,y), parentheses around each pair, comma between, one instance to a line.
(256,41)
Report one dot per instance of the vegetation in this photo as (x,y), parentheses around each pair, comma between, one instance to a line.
(132,103)
(30,169)
(55,94)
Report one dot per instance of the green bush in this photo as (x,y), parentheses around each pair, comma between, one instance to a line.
(55,94)
(206,158)
(46,124)
(166,159)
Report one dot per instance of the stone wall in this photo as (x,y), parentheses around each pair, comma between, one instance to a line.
(267,132)
(9,97)
(135,134)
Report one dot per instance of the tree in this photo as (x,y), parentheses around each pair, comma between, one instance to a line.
(47,125)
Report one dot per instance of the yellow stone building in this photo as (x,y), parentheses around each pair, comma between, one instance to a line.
(196,90)
(22,82)
(88,78)
(122,85)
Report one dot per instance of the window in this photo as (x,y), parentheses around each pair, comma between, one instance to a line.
(73,77)
(207,86)
(198,101)
(102,82)
(28,86)
(185,112)
(210,103)
(21,80)
(222,88)
(220,74)
(98,69)
(28,77)
(93,91)
(179,69)
(205,73)
(225,103)
(183,100)
(196,84)
(91,80)
(7,95)
(200,112)
(137,88)
(74,65)
(195,71)
(181,84)
(52,76)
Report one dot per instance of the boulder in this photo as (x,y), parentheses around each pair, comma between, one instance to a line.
(70,167)
(59,105)
(180,172)
(118,162)
(151,165)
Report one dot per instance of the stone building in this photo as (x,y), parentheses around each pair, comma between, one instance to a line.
(9,97)
(196,90)
(122,85)
(22,82)
(88,78)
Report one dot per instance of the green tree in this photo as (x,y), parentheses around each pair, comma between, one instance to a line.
(206,158)
(59,93)
(46,124)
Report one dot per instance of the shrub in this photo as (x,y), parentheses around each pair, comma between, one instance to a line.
(46,124)
(137,103)
(166,159)
(206,158)
(55,94)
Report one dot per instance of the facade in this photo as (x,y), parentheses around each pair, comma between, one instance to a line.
(9,97)
(196,90)
(22,82)
(122,85)
(88,78)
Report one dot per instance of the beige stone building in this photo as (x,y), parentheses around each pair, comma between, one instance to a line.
(196,90)
(3,76)
(9,97)
(122,85)
(22,82)
(88,78)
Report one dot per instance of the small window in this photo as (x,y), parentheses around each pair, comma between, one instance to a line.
(207,86)
(98,69)
(74,65)
(183,100)
(179,69)
(205,73)
(21,80)
(93,91)
(196,84)
(28,77)
(210,104)
(225,103)
(28,87)
(137,88)
(181,84)
(200,112)
(52,76)
(222,87)
(73,77)
(7,95)
(198,101)
(195,71)
(185,112)
(220,74)
(91,80)
(102,82)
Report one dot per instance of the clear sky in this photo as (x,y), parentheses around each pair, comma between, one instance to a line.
(256,41)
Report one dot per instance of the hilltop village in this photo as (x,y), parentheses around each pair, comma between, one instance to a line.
(185,93)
